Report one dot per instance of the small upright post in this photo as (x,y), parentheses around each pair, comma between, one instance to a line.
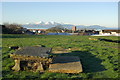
(17,65)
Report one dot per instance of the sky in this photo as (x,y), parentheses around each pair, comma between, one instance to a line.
(60,0)
(77,13)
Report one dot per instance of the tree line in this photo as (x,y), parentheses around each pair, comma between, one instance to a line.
(12,29)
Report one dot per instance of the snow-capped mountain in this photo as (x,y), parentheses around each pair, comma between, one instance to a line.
(50,24)
(46,23)
(40,22)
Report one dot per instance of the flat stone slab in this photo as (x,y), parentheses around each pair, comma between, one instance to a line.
(34,51)
(66,64)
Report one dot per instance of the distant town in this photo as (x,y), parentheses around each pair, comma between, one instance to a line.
(58,30)
(75,31)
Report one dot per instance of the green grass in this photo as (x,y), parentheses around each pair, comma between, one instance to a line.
(99,58)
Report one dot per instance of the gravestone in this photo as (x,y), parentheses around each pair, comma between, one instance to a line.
(38,59)
(34,57)
(66,64)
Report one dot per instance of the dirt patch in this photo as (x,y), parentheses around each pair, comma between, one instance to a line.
(59,50)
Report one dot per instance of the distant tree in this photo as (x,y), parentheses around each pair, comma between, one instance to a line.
(12,29)
(0,29)
(68,31)
(58,28)
(55,29)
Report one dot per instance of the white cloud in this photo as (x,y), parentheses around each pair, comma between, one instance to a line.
(27,23)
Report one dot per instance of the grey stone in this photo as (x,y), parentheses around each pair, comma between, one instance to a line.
(66,64)
(34,51)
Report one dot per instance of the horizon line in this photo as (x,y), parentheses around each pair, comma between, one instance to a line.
(59,23)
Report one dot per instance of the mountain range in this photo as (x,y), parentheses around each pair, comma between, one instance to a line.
(47,25)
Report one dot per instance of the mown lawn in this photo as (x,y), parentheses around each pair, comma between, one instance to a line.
(99,58)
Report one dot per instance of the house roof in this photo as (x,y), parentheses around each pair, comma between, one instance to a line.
(34,51)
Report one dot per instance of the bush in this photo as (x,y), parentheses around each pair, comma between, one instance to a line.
(12,29)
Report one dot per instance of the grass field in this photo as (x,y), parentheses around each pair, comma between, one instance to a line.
(99,58)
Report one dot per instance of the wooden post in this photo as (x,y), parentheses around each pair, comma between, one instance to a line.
(17,65)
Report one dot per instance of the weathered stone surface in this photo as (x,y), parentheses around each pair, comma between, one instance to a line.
(38,55)
(34,51)
(17,65)
(66,64)
(31,58)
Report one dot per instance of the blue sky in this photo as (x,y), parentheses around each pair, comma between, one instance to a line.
(82,13)
(60,0)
